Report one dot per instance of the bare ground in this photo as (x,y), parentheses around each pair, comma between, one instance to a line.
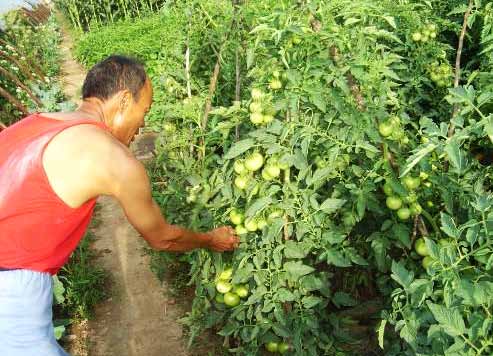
(138,318)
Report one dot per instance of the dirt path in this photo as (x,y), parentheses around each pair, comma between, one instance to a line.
(138,318)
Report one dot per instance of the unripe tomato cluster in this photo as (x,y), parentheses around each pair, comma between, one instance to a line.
(392,129)
(261,112)
(440,74)
(277,347)
(407,206)
(229,294)
(422,250)
(425,33)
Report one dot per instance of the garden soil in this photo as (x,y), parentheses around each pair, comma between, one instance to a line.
(138,317)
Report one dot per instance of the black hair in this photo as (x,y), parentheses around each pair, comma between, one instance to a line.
(112,75)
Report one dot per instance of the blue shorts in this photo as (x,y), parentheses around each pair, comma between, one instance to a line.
(26,326)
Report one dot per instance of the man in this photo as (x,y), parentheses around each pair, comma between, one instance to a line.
(52,168)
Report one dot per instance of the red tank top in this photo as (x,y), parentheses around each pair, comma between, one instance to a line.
(38,231)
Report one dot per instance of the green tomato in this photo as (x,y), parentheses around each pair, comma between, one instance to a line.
(231,299)
(433,35)
(296,40)
(276,74)
(251,225)
(241,290)
(411,198)
(411,183)
(220,298)
(274,214)
(427,261)
(430,204)
(416,209)
(320,162)
(257,94)
(275,84)
(403,213)
(435,77)
(169,127)
(385,128)
(266,175)
(223,286)
(272,346)
(283,348)
(256,118)
(239,167)
(226,274)
(241,182)
(387,189)
(416,36)
(236,217)
(241,230)
(423,175)
(420,247)
(261,223)
(394,202)
(273,170)
(283,166)
(255,106)
(254,162)
(267,118)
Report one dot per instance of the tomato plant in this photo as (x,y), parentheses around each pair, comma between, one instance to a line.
(343,161)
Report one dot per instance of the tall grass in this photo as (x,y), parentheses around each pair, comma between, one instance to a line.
(87,14)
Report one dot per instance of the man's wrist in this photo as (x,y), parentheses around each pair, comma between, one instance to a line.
(206,239)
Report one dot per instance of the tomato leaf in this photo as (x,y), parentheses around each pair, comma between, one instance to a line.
(257,206)
(239,147)
(297,269)
(331,204)
(449,319)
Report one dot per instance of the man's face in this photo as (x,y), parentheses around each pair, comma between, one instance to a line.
(131,118)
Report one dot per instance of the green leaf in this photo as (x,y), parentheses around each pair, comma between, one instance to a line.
(342,299)
(333,237)
(456,157)
(59,330)
(418,155)
(381,333)
(449,319)
(331,204)
(310,301)
(391,22)
(295,249)
(285,295)
(401,275)
(448,226)
(239,147)
(337,258)
(58,290)
(319,101)
(475,294)
(257,206)
(296,269)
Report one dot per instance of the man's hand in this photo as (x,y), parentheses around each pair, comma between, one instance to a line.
(223,239)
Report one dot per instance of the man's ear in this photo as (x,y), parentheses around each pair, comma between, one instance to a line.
(126,96)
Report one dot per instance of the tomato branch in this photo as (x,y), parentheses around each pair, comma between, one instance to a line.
(458,61)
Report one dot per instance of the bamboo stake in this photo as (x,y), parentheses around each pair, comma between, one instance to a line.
(13,100)
(17,81)
(21,67)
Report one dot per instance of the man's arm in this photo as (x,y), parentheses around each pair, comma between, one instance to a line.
(132,189)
